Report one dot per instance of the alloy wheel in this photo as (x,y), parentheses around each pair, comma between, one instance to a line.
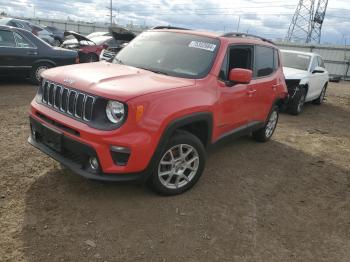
(178,166)
(271,124)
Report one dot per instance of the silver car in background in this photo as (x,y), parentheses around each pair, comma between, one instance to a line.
(35,29)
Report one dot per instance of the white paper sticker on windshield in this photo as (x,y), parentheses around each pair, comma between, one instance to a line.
(202,45)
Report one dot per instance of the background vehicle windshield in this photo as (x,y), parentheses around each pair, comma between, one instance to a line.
(295,60)
(175,54)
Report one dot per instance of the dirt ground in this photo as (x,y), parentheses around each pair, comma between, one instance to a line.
(286,200)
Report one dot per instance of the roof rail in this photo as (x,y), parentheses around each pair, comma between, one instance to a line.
(168,27)
(237,34)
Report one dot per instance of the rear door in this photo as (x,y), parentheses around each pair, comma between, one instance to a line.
(263,88)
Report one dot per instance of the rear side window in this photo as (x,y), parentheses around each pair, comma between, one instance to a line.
(7,39)
(22,42)
(264,61)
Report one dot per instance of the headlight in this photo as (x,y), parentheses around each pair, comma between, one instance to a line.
(115,112)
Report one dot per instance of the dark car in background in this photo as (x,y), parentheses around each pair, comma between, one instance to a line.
(35,29)
(24,54)
(57,34)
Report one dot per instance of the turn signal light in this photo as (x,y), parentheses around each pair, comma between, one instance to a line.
(139,112)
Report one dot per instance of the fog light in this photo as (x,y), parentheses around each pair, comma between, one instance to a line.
(33,133)
(94,163)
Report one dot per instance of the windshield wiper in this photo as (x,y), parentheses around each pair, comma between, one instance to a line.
(119,61)
(153,70)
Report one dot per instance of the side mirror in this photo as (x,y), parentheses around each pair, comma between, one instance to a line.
(318,70)
(240,76)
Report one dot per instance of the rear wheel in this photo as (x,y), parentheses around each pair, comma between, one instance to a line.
(296,105)
(37,70)
(320,99)
(264,134)
(179,165)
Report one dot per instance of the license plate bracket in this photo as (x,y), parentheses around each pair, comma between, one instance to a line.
(52,138)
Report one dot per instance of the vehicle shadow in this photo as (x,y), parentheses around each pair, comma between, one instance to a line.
(255,202)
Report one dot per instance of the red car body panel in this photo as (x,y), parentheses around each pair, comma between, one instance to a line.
(164,99)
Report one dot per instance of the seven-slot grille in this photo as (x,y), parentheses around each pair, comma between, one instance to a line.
(69,101)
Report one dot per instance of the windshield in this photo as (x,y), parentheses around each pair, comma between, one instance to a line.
(175,54)
(295,60)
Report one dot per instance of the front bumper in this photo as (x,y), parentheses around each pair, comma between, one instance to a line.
(75,156)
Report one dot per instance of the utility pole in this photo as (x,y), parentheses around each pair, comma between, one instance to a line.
(239,21)
(111,12)
(111,9)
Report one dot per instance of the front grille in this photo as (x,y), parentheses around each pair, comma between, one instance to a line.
(66,100)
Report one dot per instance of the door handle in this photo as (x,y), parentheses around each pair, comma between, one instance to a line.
(274,87)
(32,53)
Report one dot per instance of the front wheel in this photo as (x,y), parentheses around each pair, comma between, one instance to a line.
(179,166)
(296,105)
(37,70)
(264,134)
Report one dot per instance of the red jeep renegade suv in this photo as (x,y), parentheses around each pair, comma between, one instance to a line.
(152,112)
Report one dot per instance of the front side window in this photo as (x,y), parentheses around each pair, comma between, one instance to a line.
(7,39)
(175,54)
(237,57)
(22,42)
(295,60)
(314,64)
(264,61)
(321,62)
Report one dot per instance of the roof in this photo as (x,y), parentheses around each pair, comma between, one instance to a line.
(298,52)
(232,38)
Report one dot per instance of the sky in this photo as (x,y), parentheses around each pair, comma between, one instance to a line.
(270,19)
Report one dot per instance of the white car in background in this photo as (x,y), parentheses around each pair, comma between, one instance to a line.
(306,78)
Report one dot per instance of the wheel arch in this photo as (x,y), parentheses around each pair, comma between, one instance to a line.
(199,124)
(42,61)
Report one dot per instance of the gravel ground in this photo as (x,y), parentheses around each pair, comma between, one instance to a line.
(286,200)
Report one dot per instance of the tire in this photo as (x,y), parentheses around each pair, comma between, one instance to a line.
(320,99)
(36,71)
(174,175)
(264,134)
(296,105)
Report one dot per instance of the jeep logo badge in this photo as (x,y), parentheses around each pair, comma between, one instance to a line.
(69,81)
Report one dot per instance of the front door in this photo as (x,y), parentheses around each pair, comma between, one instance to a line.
(235,107)
(16,52)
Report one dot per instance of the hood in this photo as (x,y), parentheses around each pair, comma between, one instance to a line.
(77,36)
(113,81)
(292,73)
(120,33)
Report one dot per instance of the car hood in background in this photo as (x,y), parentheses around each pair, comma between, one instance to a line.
(292,73)
(120,33)
(114,81)
(77,36)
